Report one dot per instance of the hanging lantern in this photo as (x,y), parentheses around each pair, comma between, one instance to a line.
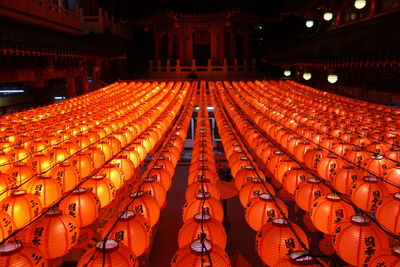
(59,230)
(166,164)
(20,172)
(114,174)
(386,257)
(133,155)
(198,254)
(254,188)
(327,166)
(293,178)
(388,214)
(116,254)
(202,186)
(283,167)
(82,164)
(145,205)
(46,189)
(357,156)
(392,179)
(378,165)
(83,205)
(246,174)
(18,254)
(152,187)
(18,154)
(344,177)
(275,240)
(368,193)
(70,147)
(96,155)
(106,148)
(57,154)
(308,191)
(264,209)
(131,230)
(202,224)
(7,225)
(202,173)
(6,183)
(66,176)
(327,211)
(40,164)
(21,207)
(203,203)
(102,187)
(313,156)
(370,238)
(377,147)
(161,175)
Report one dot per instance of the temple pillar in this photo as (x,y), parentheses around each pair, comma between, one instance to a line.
(339,17)
(85,83)
(372,8)
(188,51)
(71,87)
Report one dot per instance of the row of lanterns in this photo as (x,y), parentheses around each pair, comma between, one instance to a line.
(328,211)
(79,208)
(140,211)
(202,238)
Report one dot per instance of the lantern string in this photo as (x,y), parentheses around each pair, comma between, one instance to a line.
(56,203)
(330,151)
(224,112)
(324,182)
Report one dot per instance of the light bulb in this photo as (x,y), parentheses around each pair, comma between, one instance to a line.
(332,78)
(309,23)
(287,73)
(328,16)
(360,4)
(306,76)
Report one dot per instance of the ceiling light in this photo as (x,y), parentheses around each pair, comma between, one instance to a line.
(287,73)
(360,4)
(332,78)
(328,16)
(306,76)
(309,23)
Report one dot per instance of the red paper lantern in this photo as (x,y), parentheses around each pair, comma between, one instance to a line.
(203,203)
(7,225)
(18,254)
(199,225)
(354,236)
(308,191)
(293,178)
(102,187)
(388,214)
(46,189)
(82,164)
(202,185)
(378,165)
(66,176)
(143,204)
(254,188)
(276,239)
(152,187)
(344,177)
(327,166)
(393,179)
(386,257)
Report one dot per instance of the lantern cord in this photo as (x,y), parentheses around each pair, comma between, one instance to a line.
(56,203)
(329,186)
(282,212)
(310,141)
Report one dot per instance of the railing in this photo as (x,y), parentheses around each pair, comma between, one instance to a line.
(42,13)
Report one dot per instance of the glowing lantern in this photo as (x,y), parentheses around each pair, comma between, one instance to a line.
(40,164)
(21,207)
(276,158)
(166,164)
(66,176)
(20,172)
(237,165)
(161,175)
(202,223)
(54,228)
(254,188)
(276,239)
(82,164)
(293,178)
(4,162)
(203,203)
(142,151)
(105,147)
(387,257)
(114,143)
(393,179)
(18,254)
(283,168)
(71,147)
(264,209)
(308,191)
(102,187)
(354,236)
(344,177)
(377,147)
(368,193)
(197,254)
(393,153)
(152,187)
(388,214)
(246,174)
(327,166)
(112,172)
(7,226)
(133,155)
(125,165)
(327,211)
(313,156)
(96,155)
(46,189)
(6,182)
(202,173)
(116,254)
(145,205)
(301,150)
(18,154)
(131,230)
(357,156)
(37,146)
(83,205)
(202,185)
(57,154)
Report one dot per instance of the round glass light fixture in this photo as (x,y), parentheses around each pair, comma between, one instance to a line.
(328,16)
(309,23)
(287,73)
(332,78)
(360,4)
(306,76)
